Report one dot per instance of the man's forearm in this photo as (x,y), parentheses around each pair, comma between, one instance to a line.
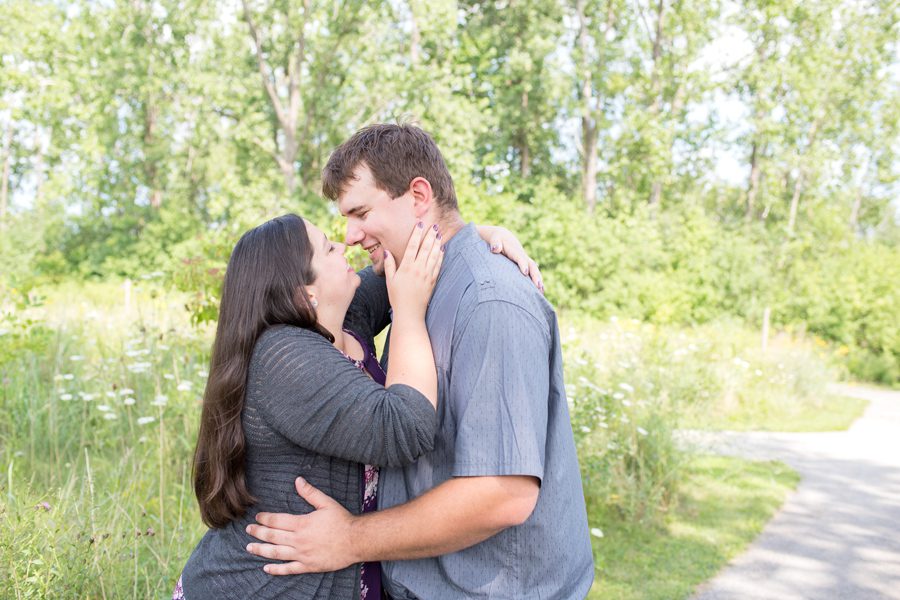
(457,514)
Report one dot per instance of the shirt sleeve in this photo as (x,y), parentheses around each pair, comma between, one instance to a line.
(499,389)
(369,312)
(312,395)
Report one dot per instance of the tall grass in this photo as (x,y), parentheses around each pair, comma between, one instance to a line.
(99,413)
(99,402)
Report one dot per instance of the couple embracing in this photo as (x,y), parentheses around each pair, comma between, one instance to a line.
(447,469)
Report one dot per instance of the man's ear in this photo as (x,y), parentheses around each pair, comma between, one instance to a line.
(423,196)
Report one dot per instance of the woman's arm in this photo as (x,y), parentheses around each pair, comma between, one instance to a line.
(316,398)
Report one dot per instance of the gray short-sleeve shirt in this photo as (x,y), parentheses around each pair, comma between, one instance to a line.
(502,411)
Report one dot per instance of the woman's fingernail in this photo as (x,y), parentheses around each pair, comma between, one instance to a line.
(420,224)
(438,236)
(495,247)
(443,247)
(385,253)
(435,227)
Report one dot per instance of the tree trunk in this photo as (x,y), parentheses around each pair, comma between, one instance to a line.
(753,188)
(795,202)
(415,37)
(524,149)
(4,185)
(656,91)
(589,129)
(589,170)
(854,211)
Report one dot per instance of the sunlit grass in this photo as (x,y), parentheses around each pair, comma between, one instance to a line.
(722,505)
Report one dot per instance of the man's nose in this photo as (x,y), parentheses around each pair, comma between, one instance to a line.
(354,235)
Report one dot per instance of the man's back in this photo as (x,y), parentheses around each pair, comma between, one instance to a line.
(502,412)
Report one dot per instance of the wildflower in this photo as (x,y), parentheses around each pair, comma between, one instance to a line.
(139,367)
(57,377)
(87,397)
(142,439)
(185,386)
(628,388)
(68,376)
(126,392)
(110,416)
(110,394)
(162,347)
(76,358)
(168,376)
(618,395)
(624,419)
(603,424)
(160,400)
(128,401)
(203,373)
(145,420)
(42,506)
(757,372)
(611,446)
(642,431)
(65,396)
(596,532)
(585,429)
(104,408)
(19,453)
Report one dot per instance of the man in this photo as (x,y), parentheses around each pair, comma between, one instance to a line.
(497,509)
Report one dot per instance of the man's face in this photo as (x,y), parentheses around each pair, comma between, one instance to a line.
(375,221)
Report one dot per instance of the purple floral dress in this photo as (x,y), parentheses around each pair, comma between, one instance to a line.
(370,580)
(370,573)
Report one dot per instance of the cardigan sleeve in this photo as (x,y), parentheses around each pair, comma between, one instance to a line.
(310,393)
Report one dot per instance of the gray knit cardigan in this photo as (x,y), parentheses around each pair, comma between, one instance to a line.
(309,411)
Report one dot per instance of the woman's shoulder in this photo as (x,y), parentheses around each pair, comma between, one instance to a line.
(281,339)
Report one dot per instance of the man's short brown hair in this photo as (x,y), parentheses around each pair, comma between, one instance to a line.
(395,154)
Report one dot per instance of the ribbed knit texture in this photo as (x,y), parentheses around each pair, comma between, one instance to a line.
(309,412)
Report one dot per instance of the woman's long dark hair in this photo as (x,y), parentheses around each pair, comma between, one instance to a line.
(263,287)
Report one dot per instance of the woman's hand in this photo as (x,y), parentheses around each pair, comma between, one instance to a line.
(410,284)
(502,241)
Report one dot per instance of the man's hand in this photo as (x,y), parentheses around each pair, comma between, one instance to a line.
(317,542)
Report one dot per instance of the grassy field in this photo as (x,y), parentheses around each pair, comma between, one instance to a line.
(99,401)
(722,505)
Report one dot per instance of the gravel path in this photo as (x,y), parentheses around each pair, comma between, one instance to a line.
(838,535)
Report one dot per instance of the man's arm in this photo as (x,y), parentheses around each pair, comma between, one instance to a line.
(459,513)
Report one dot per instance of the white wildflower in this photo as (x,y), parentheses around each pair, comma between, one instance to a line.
(624,419)
(65,396)
(603,424)
(626,403)
(110,394)
(585,429)
(168,376)
(185,386)
(76,357)
(128,401)
(162,347)
(596,532)
(145,420)
(68,376)
(110,416)
(160,400)
(87,397)
(202,373)
(104,408)
(628,388)
(618,395)
(642,431)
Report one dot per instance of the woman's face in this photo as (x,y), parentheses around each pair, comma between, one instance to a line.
(336,281)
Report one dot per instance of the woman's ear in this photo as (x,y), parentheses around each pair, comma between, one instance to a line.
(309,292)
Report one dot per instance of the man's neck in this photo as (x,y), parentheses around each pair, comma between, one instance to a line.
(449,225)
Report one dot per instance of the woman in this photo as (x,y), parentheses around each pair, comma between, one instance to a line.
(294,388)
